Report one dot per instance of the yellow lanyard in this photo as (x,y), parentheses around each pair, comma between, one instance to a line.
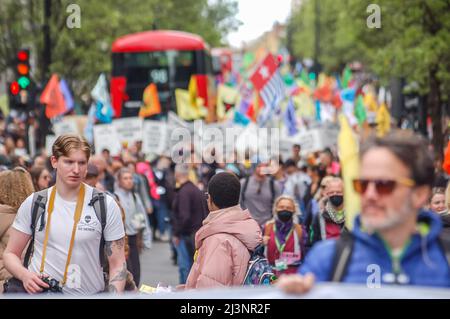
(76,219)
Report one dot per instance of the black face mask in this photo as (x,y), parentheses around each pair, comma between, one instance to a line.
(336,200)
(285,215)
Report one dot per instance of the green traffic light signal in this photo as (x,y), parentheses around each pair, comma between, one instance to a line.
(24,82)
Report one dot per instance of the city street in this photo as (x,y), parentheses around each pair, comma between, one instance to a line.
(157,266)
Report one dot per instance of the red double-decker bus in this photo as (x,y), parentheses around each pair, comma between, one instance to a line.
(166,58)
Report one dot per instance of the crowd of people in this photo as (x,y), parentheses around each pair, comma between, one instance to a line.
(213,215)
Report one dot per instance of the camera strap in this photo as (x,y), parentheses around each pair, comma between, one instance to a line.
(76,219)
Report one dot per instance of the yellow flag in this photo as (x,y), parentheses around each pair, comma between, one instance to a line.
(370,102)
(151,104)
(225,95)
(185,109)
(349,157)
(305,105)
(322,80)
(383,119)
(192,88)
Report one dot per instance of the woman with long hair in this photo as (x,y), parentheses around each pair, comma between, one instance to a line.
(15,187)
(283,236)
(41,177)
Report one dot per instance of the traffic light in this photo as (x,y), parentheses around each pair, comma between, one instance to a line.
(20,90)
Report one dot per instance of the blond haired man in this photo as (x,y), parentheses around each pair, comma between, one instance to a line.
(66,238)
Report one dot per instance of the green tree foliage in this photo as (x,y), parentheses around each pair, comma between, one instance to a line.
(80,54)
(413,42)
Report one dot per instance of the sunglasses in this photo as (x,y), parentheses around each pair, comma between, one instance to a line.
(382,186)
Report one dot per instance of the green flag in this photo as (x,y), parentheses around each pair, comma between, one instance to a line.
(304,77)
(248,60)
(346,77)
(360,110)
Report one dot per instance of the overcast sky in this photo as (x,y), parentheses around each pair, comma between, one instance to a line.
(258,16)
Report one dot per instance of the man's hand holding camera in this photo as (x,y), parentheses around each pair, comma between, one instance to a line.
(33,282)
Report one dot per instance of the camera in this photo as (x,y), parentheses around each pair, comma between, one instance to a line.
(54,286)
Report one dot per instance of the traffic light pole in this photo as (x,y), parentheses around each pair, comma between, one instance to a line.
(47,53)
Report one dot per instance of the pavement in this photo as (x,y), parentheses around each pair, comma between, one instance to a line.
(157,266)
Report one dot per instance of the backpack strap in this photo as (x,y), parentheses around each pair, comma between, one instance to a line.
(98,201)
(244,188)
(272,190)
(444,241)
(342,255)
(37,212)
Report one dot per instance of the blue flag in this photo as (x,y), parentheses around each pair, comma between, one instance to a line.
(67,95)
(348,95)
(290,119)
(241,119)
(318,111)
(100,94)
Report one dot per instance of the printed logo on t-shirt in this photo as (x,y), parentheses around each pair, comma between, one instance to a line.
(87,224)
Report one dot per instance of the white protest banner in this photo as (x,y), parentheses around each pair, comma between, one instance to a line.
(105,138)
(155,136)
(128,130)
(66,126)
(49,140)
(175,120)
(312,140)
(70,124)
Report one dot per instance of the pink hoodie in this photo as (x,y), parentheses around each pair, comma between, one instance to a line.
(223,244)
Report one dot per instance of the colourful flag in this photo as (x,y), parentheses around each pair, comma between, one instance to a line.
(304,77)
(305,105)
(267,80)
(185,109)
(151,105)
(346,77)
(227,98)
(360,110)
(240,118)
(100,93)
(383,120)
(349,159)
(192,89)
(318,111)
(290,118)
(446,164)
(67,95)
(348,95)
(53,98)
(370,102)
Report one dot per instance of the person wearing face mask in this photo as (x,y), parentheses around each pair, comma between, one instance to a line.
(330,222)
(283,236)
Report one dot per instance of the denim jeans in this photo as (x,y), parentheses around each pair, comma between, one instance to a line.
(185,255)
(162,215)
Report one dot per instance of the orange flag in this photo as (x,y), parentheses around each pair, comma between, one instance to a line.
(53,98)
(151,104)
(446,164)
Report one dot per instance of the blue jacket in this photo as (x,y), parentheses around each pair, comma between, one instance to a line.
(423,262)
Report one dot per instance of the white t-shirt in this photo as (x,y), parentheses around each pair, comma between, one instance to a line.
(84,276)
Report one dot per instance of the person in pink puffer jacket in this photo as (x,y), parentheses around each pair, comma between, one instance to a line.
(224,242)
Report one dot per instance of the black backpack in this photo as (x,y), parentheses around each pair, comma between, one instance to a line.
(98,201)
(344,250)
